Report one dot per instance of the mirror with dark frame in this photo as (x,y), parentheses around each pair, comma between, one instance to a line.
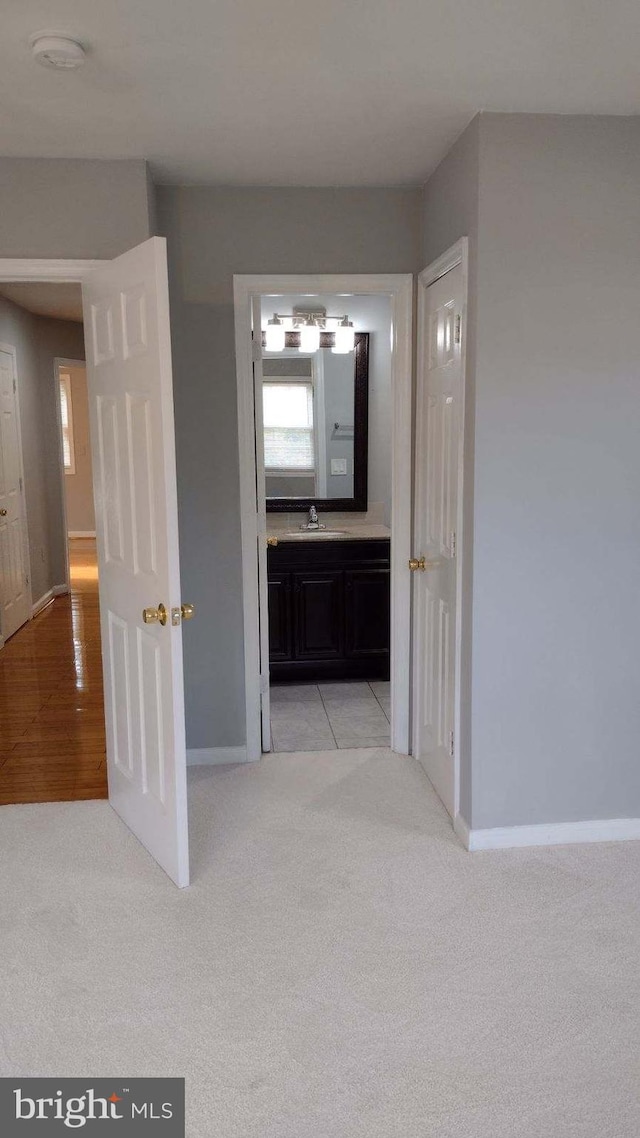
(315,412)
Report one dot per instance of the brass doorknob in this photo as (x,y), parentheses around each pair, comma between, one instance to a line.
(187,611)
(155,616)
(272,541)
(3,513)
(417,563)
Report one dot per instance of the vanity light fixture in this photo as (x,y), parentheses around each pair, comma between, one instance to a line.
(345,337)
(275,334)
(309,330)
(309,337)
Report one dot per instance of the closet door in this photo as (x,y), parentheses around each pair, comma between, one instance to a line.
(14,588)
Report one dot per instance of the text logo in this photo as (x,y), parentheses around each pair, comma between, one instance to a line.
(50,1106)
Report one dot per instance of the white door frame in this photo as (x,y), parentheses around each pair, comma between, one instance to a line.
(399,288)
(458,254)
(70,271)
(61,361)
(49,271)
(10,349)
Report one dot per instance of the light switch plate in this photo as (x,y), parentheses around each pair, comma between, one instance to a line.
(338,466)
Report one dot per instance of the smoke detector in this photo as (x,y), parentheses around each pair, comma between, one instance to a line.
(52,49)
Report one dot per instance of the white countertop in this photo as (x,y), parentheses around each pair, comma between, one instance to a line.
(340,532)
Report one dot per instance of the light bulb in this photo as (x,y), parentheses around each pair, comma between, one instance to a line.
(344,337)
(309,338)
(274,341)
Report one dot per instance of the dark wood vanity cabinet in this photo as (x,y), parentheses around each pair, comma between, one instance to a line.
(280,644)
(329,606)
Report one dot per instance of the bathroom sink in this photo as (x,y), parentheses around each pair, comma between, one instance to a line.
(313,534)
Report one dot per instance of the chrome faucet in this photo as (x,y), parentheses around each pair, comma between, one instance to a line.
(313,522)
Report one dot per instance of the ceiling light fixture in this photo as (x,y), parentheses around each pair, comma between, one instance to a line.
(61,52)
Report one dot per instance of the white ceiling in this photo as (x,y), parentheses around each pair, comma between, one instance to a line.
(62,301)
(344,92)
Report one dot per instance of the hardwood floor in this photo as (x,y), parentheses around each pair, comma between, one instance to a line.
(52,735)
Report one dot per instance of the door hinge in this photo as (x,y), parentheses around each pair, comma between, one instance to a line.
(457,337)
(453,543)
(264,684)
(14,387)
(451,744)
(256,349)
(20,481)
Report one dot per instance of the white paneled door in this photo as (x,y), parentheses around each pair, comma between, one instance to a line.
(14,588)
(126,319)
(438,456)
(261,512)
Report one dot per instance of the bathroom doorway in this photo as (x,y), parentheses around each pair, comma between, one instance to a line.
(324,390)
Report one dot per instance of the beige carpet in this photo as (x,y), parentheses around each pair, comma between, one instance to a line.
(340,968)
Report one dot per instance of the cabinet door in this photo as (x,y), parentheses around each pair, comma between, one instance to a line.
(318,608)
(367,602)
(280,616)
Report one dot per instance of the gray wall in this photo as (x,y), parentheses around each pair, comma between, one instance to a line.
(37,342)
(212,234)
(451,203)
(555,715)
(556,672)
(55,207)
(79,485)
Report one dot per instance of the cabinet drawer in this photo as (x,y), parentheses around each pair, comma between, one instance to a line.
(326,554)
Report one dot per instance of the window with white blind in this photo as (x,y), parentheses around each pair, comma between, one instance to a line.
(289,444)
(66,415)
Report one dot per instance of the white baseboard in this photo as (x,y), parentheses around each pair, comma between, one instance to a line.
(81,533)
(548,834)
(46,598)
(462,830)
(215,756)
(42,603)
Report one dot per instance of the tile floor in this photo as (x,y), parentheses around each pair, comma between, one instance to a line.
(329,717)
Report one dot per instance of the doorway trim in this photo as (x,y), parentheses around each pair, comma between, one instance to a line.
(399,288)
(62,362)
(457,254)
(46,271)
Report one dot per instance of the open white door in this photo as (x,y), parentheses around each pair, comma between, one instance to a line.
(126,319)
(261,512)
(437,483)
(14,589)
